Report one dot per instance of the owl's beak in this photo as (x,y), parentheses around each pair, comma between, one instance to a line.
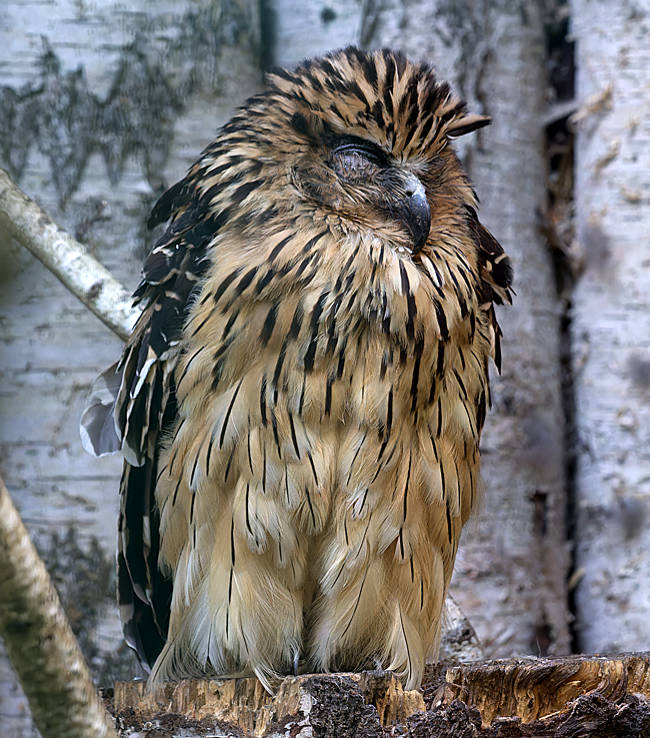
(416,212)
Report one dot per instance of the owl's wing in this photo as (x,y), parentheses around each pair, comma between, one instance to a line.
(133,402)
(495,274)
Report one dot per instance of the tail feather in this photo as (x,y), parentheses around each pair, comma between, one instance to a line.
(133,403)
(144,592)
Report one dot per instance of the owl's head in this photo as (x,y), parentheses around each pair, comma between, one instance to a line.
(368,137)
(353,143)
(363,136)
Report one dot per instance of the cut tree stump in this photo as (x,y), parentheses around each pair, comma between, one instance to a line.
(575,696)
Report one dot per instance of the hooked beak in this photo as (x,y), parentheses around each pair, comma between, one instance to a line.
(415,212)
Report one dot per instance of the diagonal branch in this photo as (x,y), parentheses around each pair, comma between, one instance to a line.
(39,641)
(66,258)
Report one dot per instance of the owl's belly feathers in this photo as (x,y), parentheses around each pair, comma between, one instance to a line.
(317,515)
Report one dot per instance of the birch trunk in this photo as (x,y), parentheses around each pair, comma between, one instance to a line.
(101,106)
(611,325)
(40,643)
(510,576)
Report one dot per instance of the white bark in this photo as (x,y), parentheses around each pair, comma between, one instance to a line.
(611,325)
(306,28)
(66,258)
(101,105)
(510,576)
(40,642)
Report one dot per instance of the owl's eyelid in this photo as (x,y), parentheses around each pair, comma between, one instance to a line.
(366,149)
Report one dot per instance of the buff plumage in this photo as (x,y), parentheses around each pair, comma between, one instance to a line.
(301,402)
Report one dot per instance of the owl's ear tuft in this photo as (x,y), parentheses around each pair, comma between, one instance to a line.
(467,124)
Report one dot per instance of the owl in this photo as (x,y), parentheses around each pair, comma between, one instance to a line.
(300,403)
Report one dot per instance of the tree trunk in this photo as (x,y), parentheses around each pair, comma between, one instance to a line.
(611,324)
(40,642)
(101,106)
(510,577)
(95,124)
(544,698)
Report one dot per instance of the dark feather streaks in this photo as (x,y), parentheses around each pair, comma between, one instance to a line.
(225,187)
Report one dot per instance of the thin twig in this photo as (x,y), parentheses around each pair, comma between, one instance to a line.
(66,258)
(40,643)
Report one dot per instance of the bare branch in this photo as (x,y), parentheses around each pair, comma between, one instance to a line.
(40,643)
(66,258)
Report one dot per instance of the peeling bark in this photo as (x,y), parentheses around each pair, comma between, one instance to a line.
(546,698)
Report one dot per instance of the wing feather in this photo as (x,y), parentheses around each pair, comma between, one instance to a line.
(133,403)
(495,272)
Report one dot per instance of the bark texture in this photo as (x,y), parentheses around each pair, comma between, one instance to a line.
(102,105)
(66,258)
(40,643)
(510,576)
(611,324)
(546,698)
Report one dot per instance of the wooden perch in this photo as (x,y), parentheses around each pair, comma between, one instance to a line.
(546,698)
(66,258)
(39,641)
